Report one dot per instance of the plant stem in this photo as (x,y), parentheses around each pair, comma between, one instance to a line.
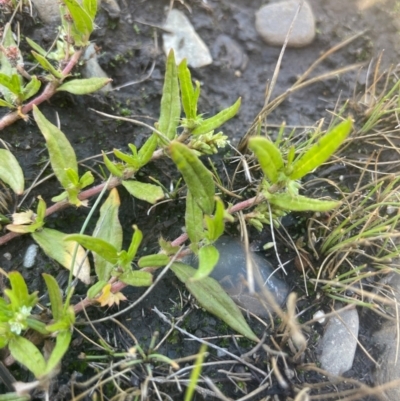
(49,91)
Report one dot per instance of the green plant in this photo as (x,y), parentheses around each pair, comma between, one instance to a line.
(17,86)
(16,317)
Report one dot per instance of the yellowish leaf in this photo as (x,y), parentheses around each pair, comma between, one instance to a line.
(109,298)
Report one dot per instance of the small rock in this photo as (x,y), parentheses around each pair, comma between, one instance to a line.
(339,342)
(229,53)
(7,256)
(386,339)
(231,271)
(92,68)
(273,22)
(185,41)
(319,316)
(30,256)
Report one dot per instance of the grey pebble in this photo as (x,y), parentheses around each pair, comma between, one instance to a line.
(30,256)
(185,41)
(339,342)
(231,273)
(273,22)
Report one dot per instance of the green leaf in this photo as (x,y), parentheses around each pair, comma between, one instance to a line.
(136,278)
(269,157)
(135,243)
(212,297)
(157,260)
(35,46)
(208,258)
(170,111)
(14,397)
(62,155)
(82,20)
(27,354)
(108,228)
(198,179)
(300,203)
(12,83)
(167,247)
(4,103)
(95,289)
(53,244)
(216,224)
(194,220)
(84,86)
(189,100)
(131,161)
(112,168)
(146,151)
(98,245)
(322,150)
(46,65)
(11,172)
(146,192)
(31,88)
(216,121)
(56,302)
(62,344)
(19,294)
(90,6)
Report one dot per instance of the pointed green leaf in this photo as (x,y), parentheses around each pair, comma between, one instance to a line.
(208,258)
(11,172)
(112,168)
(62,344)
(108,228)
(194,220)
(35,46)
(189,100)
(322,150)
(131,161)
(97,245)
(146,192)
(82,20)
(212,297)
(300,203)
(62,155)
(31,88)
(198,179)
(136,278)
(135,243)
(269,157)
(47,66)
(215,225)
(53,244)
(4,103)
(27,354)
(95,289)
(84,86)
(20,294)
(56,302)
(170,111)
(216,121)
(157,260)
(90,6)
(146,151)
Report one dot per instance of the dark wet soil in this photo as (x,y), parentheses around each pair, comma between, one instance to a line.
(128,50)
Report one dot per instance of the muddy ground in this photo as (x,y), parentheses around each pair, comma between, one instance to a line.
(128,50)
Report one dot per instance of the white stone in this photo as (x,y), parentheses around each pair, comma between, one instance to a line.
(273,22)
(185,41)
(339,342)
